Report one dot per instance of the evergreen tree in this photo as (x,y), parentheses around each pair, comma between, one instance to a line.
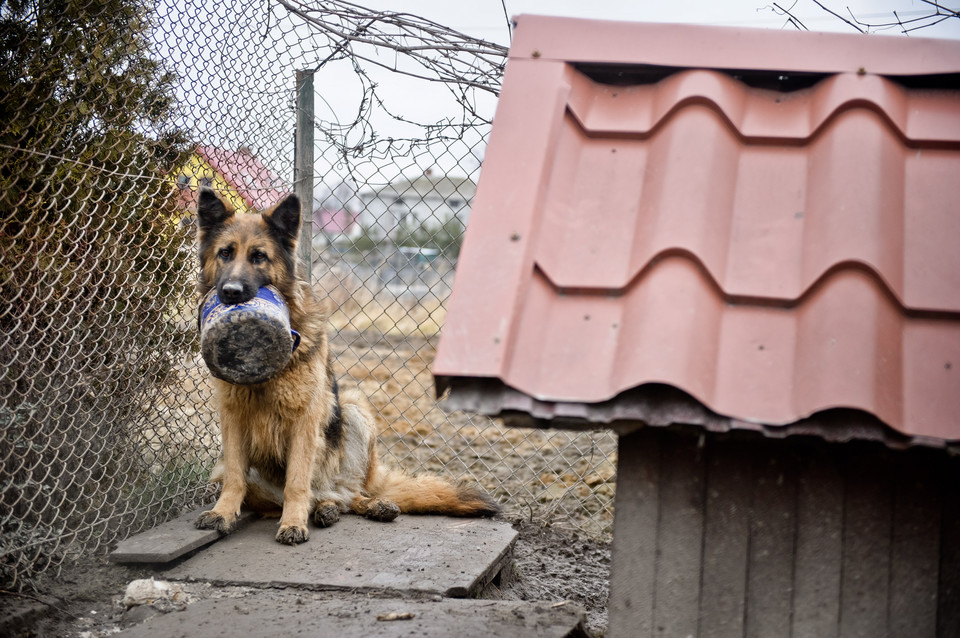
(92,263)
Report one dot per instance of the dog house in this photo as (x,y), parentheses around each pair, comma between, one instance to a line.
(741,250)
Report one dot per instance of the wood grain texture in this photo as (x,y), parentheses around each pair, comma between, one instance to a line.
(738,537)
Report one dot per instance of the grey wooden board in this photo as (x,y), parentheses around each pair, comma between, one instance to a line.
(916,548)
(748,537)
(948,600)
(435,554)
(819,545)
(167,541)
(680,543)
(726,536)
(865,579)
(356,617)
(633,567)
(772,535)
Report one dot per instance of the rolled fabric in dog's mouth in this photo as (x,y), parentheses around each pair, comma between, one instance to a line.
(249,342)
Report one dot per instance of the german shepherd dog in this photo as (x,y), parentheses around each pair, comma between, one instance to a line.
(295,443)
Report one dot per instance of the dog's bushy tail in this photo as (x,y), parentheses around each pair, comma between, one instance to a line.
(430,494)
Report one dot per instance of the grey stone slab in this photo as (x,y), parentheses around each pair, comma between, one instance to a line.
(361,617)
(168,541)
(435,554)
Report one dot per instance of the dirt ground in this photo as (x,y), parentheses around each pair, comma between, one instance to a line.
(551,565)
(564,477)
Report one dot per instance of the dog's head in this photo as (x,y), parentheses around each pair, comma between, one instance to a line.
(241,253)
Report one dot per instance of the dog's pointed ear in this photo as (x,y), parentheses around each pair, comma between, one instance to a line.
(211,211)
(284,219)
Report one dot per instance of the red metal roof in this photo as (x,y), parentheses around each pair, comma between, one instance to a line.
(256,184)
(651,211)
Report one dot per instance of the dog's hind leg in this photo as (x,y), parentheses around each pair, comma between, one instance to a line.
(377,509)
(326,513)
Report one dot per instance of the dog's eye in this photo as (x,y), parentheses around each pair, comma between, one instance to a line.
(258,257)
(225,253)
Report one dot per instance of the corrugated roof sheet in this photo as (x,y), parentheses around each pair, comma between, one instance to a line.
(651,212)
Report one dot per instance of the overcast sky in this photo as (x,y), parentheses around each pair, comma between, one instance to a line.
(485,18)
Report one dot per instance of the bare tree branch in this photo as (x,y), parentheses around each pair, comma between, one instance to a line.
(936,14)
(834,13)
(791,19)
(445,55)
(506,16)
(408,45)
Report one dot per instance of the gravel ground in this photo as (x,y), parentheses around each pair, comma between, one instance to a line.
(551,565)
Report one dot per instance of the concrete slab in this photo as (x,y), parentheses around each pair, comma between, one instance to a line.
(362,617)
(432,554)
(168,541)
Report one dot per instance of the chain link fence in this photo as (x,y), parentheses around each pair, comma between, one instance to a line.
(112,113)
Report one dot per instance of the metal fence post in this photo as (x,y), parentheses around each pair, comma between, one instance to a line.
(303,166)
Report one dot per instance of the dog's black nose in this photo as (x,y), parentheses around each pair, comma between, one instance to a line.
(232,292)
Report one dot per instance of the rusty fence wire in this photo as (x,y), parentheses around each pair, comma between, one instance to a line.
(112,114)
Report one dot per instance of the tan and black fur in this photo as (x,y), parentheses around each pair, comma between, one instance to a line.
(293,442)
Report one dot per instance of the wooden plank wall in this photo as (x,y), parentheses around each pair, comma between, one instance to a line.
(740,536)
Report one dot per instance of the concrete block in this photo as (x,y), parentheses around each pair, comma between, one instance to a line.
(363,617)
(168,541)
(433,554)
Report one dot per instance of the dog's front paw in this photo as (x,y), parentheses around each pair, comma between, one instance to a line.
(212,520)
(292,534)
